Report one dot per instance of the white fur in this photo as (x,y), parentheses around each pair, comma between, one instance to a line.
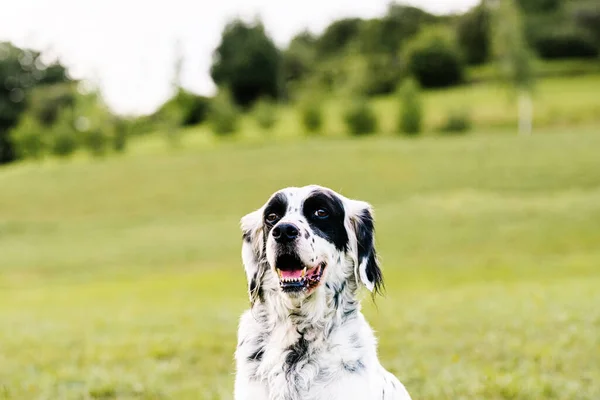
(315,347)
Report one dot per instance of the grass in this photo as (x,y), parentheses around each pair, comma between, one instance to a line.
(122,279)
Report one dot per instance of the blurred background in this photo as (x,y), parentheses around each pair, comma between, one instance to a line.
(134,136)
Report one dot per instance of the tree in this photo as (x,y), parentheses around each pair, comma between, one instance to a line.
(514,57)
(21,70)
(247,62)
(473,34)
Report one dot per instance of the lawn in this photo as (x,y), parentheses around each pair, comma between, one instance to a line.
(121,278)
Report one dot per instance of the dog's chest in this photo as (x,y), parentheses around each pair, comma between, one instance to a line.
(296,366)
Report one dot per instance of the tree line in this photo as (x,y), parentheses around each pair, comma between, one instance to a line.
(406,48)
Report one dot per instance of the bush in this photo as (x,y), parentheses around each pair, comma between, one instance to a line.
(457,121)
(565,43)
(63,136)
(28,137)
(121,135)
(311,115)
(434,60)
(265,113)
(411,115)
(223,114)
(360,118)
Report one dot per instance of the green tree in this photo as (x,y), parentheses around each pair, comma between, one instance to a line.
(411,108)
(473,35)
(247,62)
(21,70)
(514,58)
(434,60)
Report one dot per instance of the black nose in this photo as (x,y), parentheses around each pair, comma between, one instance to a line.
(285,233)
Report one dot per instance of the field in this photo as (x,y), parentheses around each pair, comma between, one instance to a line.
(122,279)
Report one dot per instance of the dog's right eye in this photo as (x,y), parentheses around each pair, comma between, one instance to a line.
(272,218)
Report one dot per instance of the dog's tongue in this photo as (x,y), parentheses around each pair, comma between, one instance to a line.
(291,274)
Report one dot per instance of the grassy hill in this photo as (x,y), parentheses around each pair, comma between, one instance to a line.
(122,278)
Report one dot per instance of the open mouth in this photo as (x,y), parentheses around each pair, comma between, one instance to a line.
(294,276)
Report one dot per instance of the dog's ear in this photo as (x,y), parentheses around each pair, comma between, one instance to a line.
(253,252)
(367,268)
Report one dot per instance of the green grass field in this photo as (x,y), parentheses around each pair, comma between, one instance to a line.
(121,278)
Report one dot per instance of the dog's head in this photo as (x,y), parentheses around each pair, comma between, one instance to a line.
(303,238)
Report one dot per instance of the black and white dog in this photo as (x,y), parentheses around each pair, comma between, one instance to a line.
(306,253)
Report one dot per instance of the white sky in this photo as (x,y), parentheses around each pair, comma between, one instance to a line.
(127,46)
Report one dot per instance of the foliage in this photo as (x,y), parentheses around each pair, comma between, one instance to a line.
(565,43)
(386,35)
(64,138)
(359,117)
(247,62)
(310,110)
(184,109)
(21,70)
(46,101)
(338,36)
(539,6)
(299,58)
(473,35)
(411,108)
(29,137)
(510,47)
(457,121)
(265,112)
(223,114)
(434,60)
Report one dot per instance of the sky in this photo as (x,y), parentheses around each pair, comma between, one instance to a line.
(128,47)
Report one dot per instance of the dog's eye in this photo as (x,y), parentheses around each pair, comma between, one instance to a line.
(320,213)
(272,218)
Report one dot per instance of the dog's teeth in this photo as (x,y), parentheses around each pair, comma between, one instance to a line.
(304,272)
(279,273)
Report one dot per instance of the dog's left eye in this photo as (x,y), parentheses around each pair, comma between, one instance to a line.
(320,213)
(271,218)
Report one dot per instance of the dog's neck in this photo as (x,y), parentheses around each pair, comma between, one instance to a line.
(320,314)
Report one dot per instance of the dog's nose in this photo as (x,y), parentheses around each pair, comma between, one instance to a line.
(285,233)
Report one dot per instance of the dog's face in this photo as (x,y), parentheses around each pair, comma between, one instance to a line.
(303,238)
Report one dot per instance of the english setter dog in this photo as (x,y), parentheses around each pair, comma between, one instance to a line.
(306,253)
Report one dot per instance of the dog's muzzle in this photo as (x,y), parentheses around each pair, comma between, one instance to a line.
(295,276)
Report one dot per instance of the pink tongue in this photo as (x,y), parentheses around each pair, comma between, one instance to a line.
(291,274)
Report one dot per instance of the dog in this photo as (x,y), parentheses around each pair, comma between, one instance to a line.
(306,253)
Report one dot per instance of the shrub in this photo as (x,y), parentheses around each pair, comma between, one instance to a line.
(360,118)
(121,135)
(265,113)
(434,60)
(311,115)
(63,136)
(565,43)
(457,121)
(223,114)
(411,115)
(28,137)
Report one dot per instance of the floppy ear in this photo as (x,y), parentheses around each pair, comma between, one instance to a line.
(253,253)
(367,267)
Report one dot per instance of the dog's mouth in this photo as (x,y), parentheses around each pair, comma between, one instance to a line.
(295,276)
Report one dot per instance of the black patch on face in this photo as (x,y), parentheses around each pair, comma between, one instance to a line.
(277,205)
(332,227)
(306,235)
(365,232)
